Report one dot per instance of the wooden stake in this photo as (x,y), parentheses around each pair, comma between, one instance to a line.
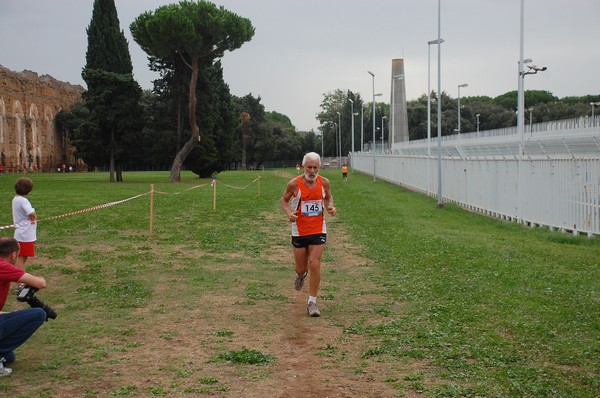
(151,207)
(215,193)
(258,185)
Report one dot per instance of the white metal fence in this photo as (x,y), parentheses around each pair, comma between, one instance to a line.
(553,182)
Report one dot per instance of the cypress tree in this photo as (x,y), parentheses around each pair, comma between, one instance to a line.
(114,126)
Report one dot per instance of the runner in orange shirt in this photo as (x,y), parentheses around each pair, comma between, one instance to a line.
(345,172)
(309,194)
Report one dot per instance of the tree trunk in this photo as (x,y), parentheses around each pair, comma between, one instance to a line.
(179,120)
(119,172)
(187,148)
(195,138)
(112,155)
(245,126)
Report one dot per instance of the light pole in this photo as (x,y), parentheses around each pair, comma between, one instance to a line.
(593,104)
(530,121)
(439,106)
(532,70)
(377,95)
(521,99)
(477,116)
(429,43)
(354,114)
(393,107)
(382,132)
(459,86)
(339,139)
(362,127)
(373,149)
(352,128)
(322,153)
(335,130)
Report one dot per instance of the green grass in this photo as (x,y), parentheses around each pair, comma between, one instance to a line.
(495,309)
(503,309)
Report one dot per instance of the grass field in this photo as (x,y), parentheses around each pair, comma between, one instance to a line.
(469,306)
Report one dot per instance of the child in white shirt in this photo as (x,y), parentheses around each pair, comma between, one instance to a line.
(24,218)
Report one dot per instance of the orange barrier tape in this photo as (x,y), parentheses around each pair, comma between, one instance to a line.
(231,186)
(185,190)
(83,210)
(128,199)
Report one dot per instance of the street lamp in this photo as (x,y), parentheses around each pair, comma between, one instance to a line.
(378,95)
(322,153)
(429,43)
(477,116)
(530,121)
(593,104)
(362,127)
(382,132)
(459,86)
(335,130)
(339,139)
(439,107)
(532,70)
(373,79)
(393,107)
(352,128)
(353,114)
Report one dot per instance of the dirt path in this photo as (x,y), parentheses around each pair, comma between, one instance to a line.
(315,357)
(168,347)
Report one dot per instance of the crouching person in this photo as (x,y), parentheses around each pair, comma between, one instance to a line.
(17,326)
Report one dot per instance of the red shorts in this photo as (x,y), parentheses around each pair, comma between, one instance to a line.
(27,249)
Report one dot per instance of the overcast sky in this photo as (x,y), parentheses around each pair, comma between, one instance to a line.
(303,49)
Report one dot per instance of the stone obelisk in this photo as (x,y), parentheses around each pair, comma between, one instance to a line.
(399,122)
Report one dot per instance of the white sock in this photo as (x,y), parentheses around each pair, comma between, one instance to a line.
(312,299)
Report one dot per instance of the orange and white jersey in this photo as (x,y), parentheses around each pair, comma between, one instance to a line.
(309,204)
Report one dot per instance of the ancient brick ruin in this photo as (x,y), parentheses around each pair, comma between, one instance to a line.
(28,107)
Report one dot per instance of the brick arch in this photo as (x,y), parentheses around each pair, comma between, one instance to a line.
(20,137)
(31,104)
(34,147)
(50,135)
(3,134)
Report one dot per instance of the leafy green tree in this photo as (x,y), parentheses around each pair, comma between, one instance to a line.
(494,113)
(197,32)
(158,146)
(68,121)
(338,101)
(287,140)
(260,145)
(113,128)
(312,143)
(279,119)
(416,111)
(532,98)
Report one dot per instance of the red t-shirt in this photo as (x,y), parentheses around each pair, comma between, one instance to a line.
(8,273)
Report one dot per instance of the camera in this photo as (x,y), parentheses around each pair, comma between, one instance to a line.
(27,294)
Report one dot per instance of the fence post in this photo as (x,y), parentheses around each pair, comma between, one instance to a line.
(151,207)
(214,193)
(259,185)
